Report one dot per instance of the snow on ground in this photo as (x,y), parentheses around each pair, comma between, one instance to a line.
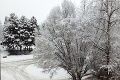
(13,72)
(2,51)
(33,70)
(16,58)
(12,57)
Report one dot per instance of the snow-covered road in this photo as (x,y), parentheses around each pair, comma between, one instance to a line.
(17,63)
(21,67)
(16,70)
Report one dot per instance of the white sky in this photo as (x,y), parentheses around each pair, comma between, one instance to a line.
(38,8)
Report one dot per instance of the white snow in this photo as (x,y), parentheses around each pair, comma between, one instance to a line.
(16,58)
(86,77)
(11,58)
(3,52)
(29,40)
(31,71)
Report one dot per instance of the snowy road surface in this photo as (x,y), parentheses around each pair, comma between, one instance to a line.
(16,70)
(22,67)
(25,70)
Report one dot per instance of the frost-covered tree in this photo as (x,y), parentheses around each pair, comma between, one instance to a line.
(10,29)
(19,34)
(110,20)
(68,49)
(82,40)
(104,18)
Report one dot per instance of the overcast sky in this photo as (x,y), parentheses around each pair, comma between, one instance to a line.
(38,8)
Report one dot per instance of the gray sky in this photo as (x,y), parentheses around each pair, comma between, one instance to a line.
(38,8)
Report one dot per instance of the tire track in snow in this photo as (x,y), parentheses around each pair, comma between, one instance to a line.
(15,70)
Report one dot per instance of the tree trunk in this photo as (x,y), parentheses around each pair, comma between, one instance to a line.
(78,76)
(108,59)
(74,77)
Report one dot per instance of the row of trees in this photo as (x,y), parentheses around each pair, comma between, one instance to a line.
(82,40)
(19,34)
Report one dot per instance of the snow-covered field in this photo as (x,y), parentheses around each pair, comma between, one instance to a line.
(22,68)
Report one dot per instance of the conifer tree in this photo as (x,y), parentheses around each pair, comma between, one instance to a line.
(19,34)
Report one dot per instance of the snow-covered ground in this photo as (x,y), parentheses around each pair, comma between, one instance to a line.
(60,75)
(22,68)
(15,58)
